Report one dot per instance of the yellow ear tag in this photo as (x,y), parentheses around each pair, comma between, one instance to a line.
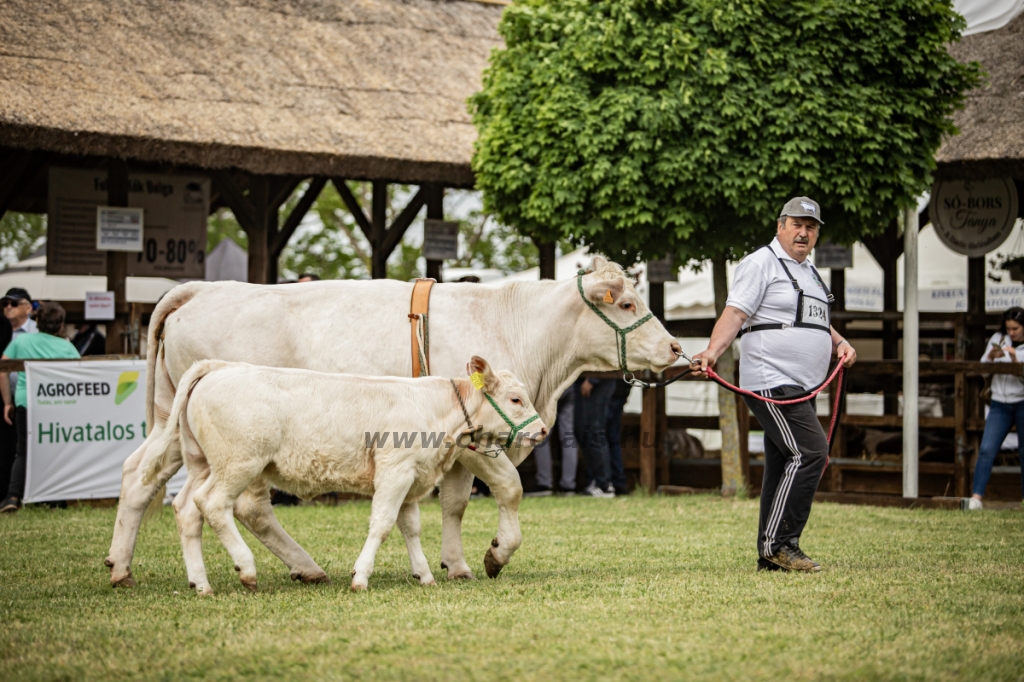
(608,296)
(478,379)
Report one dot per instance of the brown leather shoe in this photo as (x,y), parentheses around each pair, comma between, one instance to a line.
(793,559)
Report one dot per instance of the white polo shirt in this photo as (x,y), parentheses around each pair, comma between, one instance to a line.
(1005,387)
(777,357)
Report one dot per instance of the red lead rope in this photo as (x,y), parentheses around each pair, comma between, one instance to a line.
(838,371)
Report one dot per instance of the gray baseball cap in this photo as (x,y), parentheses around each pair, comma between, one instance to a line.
(802,207)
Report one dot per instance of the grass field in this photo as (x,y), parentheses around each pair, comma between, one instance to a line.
(633,588)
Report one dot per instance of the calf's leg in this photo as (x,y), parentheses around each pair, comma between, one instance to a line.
(391,489)
(456,487)
(500,474)
(190,530)
(409,524)
(135,498)
(216,500)
(254,510)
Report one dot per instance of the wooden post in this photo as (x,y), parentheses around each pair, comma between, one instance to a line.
(435,211)
(378,222)
(547,259)
(656,303)
(837,284)
(117,261)
(259,256)
(648,440)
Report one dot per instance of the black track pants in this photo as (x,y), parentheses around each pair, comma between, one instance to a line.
(795,450)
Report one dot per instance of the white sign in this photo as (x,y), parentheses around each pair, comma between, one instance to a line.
(829,255)
(973,217)
(176,209)
(661,270)
(118,228)
(440,240)
(84,420)
(99,305)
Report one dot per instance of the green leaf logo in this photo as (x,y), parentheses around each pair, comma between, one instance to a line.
(126,384)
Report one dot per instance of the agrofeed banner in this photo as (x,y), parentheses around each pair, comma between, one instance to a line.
(84,420)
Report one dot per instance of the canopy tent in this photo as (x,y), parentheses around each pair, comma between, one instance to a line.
(31,274)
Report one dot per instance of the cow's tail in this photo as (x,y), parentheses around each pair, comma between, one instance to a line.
(172,300)
(153,461)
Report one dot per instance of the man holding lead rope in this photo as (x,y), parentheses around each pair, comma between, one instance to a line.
(779,306)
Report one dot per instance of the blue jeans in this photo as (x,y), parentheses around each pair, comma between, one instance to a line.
(613,432)
(591,418)
(1001,416)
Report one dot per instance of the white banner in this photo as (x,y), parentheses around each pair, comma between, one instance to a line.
(84,420)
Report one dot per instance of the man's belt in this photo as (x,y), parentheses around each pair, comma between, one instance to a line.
(418,309)
(779,325)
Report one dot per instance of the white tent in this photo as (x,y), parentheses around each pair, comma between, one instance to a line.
(31,274)
(227,261)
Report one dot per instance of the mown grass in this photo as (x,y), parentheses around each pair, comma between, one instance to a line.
(633,588)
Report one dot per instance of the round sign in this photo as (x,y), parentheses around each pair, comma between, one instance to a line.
(973,217)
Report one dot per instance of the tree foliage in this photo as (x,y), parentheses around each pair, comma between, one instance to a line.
(648,127)
(20,235)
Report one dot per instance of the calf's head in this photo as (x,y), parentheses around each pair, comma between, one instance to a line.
(506,415)
(611,294)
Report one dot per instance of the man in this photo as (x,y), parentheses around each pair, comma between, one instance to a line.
(780,307)
(17,305)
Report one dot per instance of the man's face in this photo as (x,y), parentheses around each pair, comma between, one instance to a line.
(17,311)
(798,236)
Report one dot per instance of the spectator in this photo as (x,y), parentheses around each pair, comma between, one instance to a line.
(89,340)
(47,345)
(1007,406)
(8,434)
(613,430)
(18,307)
(309,277)
(567,439)
(592,397)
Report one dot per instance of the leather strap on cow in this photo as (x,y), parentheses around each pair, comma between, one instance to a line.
(419,306)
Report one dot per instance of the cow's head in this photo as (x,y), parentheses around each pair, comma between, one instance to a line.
(506,400)
(648,346)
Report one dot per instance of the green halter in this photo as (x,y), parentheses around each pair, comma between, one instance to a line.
(515,428)
(620,339)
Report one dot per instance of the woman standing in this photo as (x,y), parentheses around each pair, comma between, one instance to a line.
(1007,406)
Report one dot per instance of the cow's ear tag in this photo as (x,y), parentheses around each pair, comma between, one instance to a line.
(608,296)
(478,379)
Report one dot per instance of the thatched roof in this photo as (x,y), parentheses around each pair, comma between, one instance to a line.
(372,89)
(991,141)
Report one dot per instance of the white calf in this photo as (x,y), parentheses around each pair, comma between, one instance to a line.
(308,433)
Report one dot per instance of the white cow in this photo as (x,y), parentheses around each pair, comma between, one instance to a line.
(244,427)
(546,332)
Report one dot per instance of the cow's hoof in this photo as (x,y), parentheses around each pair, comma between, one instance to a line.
(491,564)
(108,562)
(312,578)
(358,587)
(429,583)
(249,584)
(205,592)
(468,575)
(191,585)
(126,581)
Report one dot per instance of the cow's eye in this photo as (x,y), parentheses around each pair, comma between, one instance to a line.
(627,306)
(516,401)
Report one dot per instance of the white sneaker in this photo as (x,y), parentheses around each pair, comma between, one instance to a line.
(974,504)
(593,491)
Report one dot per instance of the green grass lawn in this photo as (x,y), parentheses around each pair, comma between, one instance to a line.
(632,588)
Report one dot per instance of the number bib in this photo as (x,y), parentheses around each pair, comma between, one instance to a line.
(812,313)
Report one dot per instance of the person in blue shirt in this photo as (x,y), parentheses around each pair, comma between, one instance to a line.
(48,344)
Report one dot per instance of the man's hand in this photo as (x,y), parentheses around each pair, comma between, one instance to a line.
(8,414)
(846,354)
(585,388)
(703,361)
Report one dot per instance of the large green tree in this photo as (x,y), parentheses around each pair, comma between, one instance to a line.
(653,127)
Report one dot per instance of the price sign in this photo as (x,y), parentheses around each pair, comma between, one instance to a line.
(440,240)
(174,240)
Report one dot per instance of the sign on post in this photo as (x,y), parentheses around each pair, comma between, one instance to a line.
(99,305)
(440,240)
(834,256)
(84,420)
(118,228)
(661,270)
(175,207)
(973,217)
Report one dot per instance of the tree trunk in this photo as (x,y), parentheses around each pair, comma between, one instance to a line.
(732,465)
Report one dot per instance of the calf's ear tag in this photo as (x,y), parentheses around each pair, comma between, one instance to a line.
(608,296)
(478,379)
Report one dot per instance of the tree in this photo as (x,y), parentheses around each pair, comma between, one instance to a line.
(20,235)
(653,127)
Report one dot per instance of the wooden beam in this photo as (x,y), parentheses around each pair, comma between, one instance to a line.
(117,261)
(232,194)
(353,206)
(22,173)
(397,230)
(547,262)
(295,218)
(259,198)
(648,440)
(435,211)
(282,187)
(378,229)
